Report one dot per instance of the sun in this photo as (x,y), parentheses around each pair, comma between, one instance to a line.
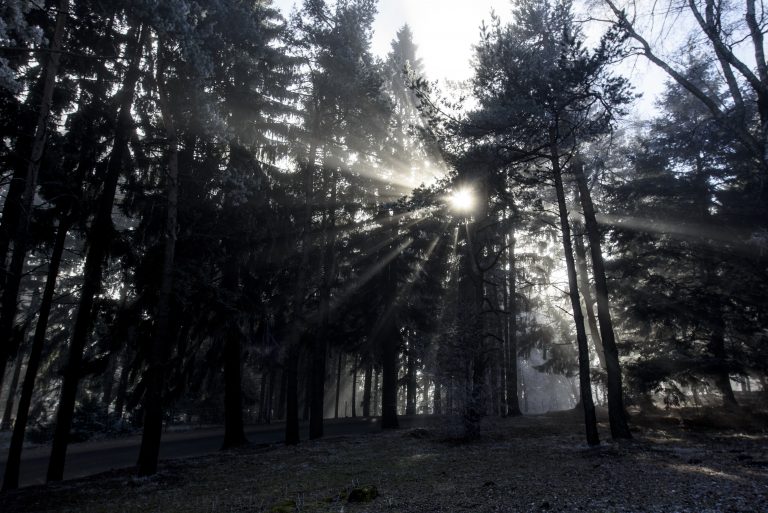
(462,200)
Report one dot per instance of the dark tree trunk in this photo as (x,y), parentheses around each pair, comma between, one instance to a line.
(722,376)
(367,389)
(390,344)
(162,336)
(234,433)
(410,382)
(339,366)
(376,392)
(271,396)
(477,235)
(526,403)
(107,384)
(513,402)
(99,239)
(263,396)
(307,347)
(12,466)
(122,385)
(581,265)
(307,393)
(494,378)
(590,419)
(280,412)
(11,400)
(437,408)
(292,397)
(616,413)
(20,232)
(317,390)
(15,193)
(354,389)
(321,342)
(504,336)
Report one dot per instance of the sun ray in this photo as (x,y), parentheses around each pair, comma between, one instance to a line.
(738,239)
(368,275)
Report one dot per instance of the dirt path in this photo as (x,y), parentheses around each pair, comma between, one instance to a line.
(89,458)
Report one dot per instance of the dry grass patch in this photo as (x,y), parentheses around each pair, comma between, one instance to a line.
(522,464)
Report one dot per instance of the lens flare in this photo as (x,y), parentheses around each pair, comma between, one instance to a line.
(462,200)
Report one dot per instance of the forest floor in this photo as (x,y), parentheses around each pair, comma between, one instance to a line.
(709,462)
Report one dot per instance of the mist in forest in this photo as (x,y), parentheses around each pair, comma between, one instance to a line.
(237,225)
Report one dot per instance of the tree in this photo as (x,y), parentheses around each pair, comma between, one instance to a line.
(575,98)
(18,206)
(344,111)
(687,187)
(99,237)
(722,33)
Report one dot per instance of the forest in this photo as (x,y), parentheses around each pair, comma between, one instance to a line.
(218,213)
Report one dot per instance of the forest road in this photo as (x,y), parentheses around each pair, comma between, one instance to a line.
(88,458)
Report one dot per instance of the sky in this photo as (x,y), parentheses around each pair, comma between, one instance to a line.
(445,30)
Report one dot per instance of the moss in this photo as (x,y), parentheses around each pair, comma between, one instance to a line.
(365,493)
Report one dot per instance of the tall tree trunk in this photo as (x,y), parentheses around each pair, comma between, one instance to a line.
(308,381)
(22,148)
(410,382)
(616,413)
(494,378)
(263,396)
(19,162)
(339,366)
(717,348)
(122,384)
(292,396)
(376,392)
(11,399)
(271,397)
(437,408)
(317,390)
(354,388)
(234,432)
(99,239)
(280,411)
(12,466)
(496,349)
(367,389)
(477,240)
(524,391)
(107,385)
(388,335)
(20,234)
(590,419)
(513,402)
(321,342)
(390,342)
(586,293)
(162,336)
(300,338)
